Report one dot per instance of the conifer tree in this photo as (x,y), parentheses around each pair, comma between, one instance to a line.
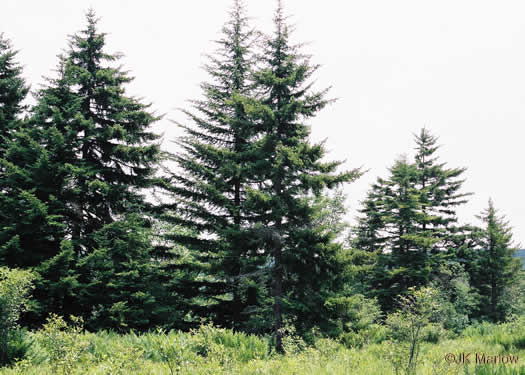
(31,229)
(13,91)
(404,260)
(36,174)
(410,219)
(84,159)
(216,165)
(496,268)
(440,193)
(303,257)
(123,285)
(109,156)
(24,167)
(366,234)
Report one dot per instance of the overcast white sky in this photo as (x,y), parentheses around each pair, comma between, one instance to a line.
(456,67)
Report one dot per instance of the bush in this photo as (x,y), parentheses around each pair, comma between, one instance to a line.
(407,327)
(457,298)
(207,339)
(19,344)
(355,312)
(328,347)
(173,350)
(352,339)
(15,286)
(432,333)
(64,343)
(510,335)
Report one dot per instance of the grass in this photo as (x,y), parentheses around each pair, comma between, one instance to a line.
(61,349)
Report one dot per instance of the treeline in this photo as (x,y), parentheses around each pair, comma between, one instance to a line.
(247,231)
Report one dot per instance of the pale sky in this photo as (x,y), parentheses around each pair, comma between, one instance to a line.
(456,67)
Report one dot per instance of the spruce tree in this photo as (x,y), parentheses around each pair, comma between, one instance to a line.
(85,158)
(31,225)
(303,256)
(123,283)
(32,219)
(366,234)
(496,268)
(29,231)
(110,156)
(410,219)
(13,91)
(440,194)
(404,260)
(216,165)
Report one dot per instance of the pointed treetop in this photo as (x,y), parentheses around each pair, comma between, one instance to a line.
(279,15)
(92,19)
(426,146)
(282,29)
(13,88)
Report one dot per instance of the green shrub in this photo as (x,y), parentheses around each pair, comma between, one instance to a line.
(65,344)
(238,345)
(173,349)
(432,333)
(355,312)
(15,286)
(292,342)
(19,344)
(122,360)
(328,347)
(352,339)
(407,326)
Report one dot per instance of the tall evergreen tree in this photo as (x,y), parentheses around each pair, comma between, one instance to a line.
(37,163)
(13,91)
(114,158)
(403,261)
(23,167)
(31,228)
(216,164)
(496,267)
(303,257)
(85,159)
(410,218)
(440,193)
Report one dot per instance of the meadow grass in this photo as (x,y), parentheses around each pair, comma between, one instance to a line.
(211,350)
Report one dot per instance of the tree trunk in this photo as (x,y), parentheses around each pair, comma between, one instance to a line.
(277,294)
(493,286)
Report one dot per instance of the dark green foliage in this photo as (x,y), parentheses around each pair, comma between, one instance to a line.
(439,189)
(85,157)
(33,209)
(22,161)
(216,161)
(410,219)
(250,235)
(354,317)
(303,256)
(109,157)
(119,279)
(31,226)
(457,298)
(56,285)
(15,287)
(19,345)
(13,91)
(496,270)
(404,260)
